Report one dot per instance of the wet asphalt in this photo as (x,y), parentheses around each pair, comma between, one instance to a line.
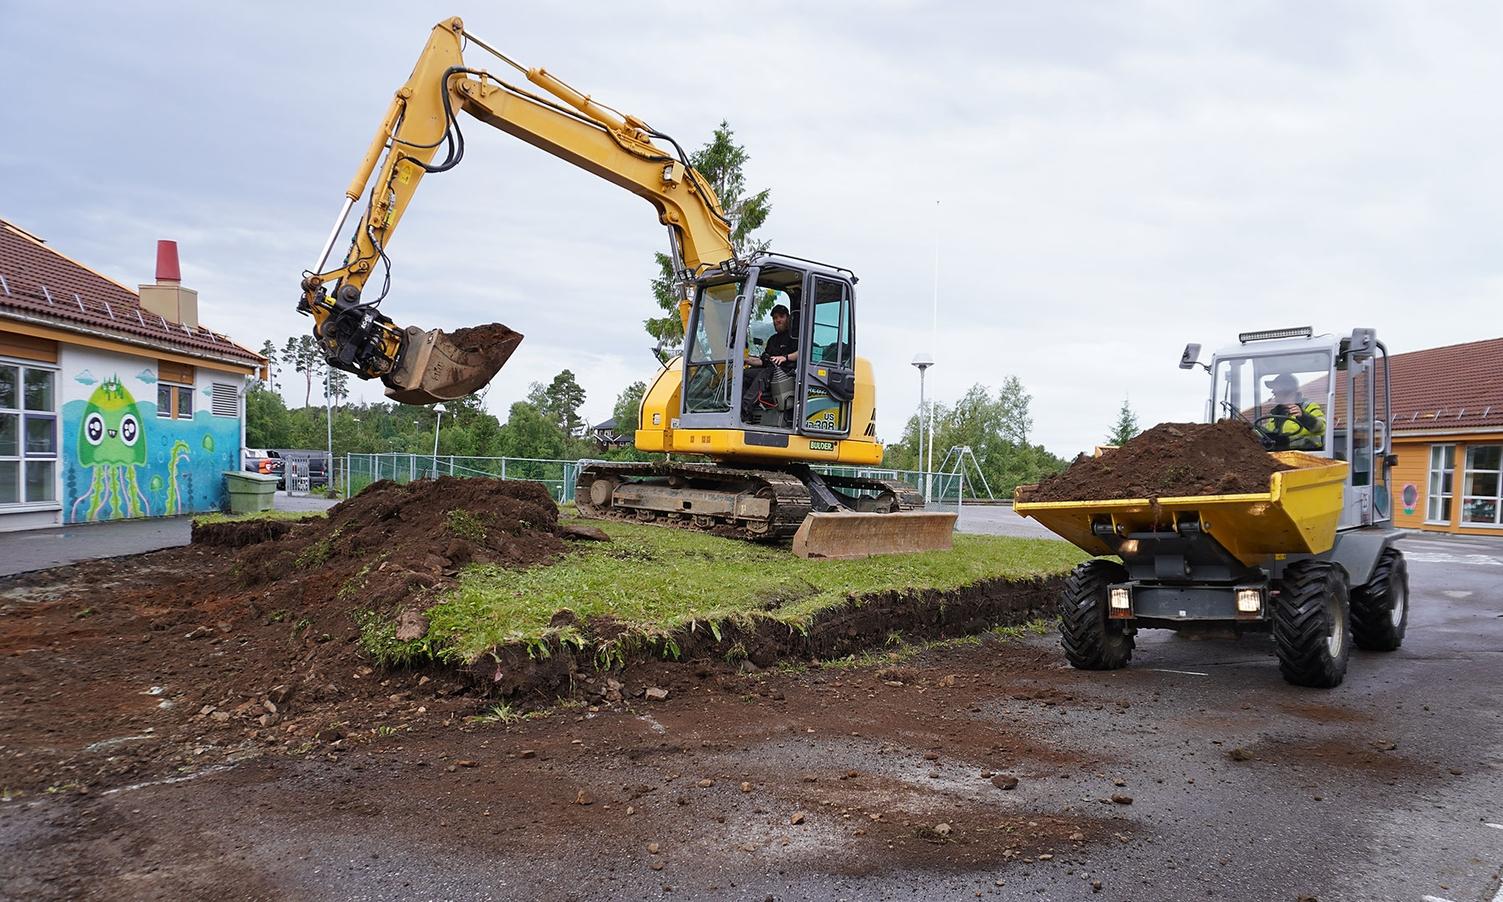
(1388,787)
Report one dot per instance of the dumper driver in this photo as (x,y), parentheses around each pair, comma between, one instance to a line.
(1294,422)
(780,352)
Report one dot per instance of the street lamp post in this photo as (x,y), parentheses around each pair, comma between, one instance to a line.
(923,361)
(440,410)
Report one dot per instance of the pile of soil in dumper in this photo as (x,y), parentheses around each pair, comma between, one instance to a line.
(1170,460)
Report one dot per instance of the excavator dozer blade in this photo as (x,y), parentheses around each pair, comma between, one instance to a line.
(844,536)
(438,366)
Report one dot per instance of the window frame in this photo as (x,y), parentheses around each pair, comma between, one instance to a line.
(1436,478)
(178,390)
(1496,497)
(24,458)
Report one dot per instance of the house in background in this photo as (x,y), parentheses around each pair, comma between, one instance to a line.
(606,437)
(1448,435)
(113,403)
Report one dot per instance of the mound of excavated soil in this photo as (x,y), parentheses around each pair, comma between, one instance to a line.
(1169,460)
(392,541)
(492,341)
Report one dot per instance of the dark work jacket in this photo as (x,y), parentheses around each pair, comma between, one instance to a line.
(780,344)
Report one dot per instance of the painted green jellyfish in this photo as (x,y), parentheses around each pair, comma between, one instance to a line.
(112,444)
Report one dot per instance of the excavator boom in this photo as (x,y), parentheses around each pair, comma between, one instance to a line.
(423,366)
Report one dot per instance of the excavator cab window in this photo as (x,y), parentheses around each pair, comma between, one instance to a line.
(707,373)
(768,391)
(829,368)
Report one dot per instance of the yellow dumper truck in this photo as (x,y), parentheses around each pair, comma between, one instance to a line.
(1311,560)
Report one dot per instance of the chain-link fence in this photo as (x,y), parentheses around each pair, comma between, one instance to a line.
(354,472)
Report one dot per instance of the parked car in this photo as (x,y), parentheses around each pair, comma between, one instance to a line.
(260,460)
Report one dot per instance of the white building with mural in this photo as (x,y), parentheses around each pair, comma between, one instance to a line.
(114,403)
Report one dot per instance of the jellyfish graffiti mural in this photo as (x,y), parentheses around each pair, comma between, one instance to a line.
(111,445)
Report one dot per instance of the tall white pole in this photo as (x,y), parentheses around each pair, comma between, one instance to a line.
(329,426)
(934,346)
(921,433)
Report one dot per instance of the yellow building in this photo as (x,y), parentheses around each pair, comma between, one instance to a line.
(1448,435)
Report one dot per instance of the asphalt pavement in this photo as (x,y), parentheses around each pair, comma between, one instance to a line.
(38,549)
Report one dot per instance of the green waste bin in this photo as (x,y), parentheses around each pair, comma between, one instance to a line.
(250,492)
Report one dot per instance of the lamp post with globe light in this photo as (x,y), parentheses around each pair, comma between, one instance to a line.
(440,410)
(923,361)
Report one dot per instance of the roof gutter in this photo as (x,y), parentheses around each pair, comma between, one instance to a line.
(242,362)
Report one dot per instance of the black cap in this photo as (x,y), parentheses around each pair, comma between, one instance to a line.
(779,308)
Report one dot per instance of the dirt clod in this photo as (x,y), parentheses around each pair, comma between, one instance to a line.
(1005,781)
(1169,460)
(584,532)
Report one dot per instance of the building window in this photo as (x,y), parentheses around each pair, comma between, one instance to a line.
(1442,473)
(28,434)
(1483,501)
(174,402)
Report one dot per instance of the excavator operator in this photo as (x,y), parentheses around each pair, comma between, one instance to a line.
(781,352)
(1295,423)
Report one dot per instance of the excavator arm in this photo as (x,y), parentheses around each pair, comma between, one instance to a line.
(418,366)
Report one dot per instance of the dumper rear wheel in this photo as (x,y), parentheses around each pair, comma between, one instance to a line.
(1312,624)
(1380,609)
(1090,639)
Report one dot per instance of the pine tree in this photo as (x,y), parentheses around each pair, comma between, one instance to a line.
(720,162)
(1126,428)
(269,351)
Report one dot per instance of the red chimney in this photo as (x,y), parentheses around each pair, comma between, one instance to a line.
(167,268)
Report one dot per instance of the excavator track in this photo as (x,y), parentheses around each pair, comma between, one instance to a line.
(759,505)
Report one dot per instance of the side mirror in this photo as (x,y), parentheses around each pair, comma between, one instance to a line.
(1363,342)
(1392,460)
(1191,357)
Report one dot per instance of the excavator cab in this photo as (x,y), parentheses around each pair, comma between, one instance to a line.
(729,378)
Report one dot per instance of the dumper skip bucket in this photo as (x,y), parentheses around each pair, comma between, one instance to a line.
(1298,514)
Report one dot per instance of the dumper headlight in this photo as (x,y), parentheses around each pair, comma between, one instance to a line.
(1120,598)
(1249,601)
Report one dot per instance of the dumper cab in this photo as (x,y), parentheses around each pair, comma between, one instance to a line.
(1310,560)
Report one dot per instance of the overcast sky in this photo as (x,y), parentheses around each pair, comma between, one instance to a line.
(1102,182)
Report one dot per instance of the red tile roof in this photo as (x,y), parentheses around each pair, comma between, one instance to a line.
(38,283)
(1454,387)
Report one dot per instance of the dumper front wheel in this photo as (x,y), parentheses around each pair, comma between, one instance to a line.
(1090,639)
(1380,609)
(1312,624)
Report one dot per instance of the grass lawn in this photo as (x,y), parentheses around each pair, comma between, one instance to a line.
(657,578)
(207,519)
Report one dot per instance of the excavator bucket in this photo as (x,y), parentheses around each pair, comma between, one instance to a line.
(845,536)
(438,366)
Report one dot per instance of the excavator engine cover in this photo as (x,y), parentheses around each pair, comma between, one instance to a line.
(438,366)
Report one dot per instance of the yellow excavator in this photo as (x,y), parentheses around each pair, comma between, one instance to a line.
(767,383)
